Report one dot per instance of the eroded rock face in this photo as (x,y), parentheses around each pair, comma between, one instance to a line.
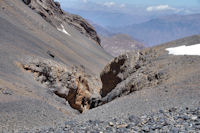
(27,2)
(73,84)
(128,73)
(110,77)
(125,74)
(52,13)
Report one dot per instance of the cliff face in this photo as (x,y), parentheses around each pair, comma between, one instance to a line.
(53,14)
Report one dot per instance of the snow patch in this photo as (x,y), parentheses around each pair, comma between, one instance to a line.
(63,30)
(185,50)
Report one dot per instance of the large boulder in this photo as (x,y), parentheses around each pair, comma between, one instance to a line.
(73,84)
(128,73)
(27,2)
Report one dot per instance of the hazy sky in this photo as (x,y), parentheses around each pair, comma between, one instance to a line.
(136,6)
(187,3)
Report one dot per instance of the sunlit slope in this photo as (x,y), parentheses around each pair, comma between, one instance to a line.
(23,35)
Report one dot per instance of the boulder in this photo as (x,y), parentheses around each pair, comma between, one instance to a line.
(27,2)
(73,84)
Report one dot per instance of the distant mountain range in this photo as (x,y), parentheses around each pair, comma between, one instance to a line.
(163,29)
(116,43)
(111,18)
(119,44)
(149,28)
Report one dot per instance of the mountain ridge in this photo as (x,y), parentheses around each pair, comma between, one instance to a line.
(163,29)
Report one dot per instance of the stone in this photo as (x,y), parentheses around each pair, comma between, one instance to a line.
(194,117)
(111,124)
(129,126)
(134,119)
(122,126)
(27,2)
(7,92)
(72,84)
(146,129)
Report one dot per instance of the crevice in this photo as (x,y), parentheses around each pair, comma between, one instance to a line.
(125,74)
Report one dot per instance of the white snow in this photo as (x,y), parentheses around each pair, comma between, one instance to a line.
(63,30)
(185,50)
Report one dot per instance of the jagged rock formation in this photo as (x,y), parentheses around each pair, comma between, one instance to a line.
(73,84)
(52,13)
(125,74)
(128,73)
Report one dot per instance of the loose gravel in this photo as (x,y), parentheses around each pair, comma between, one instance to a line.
(174,120)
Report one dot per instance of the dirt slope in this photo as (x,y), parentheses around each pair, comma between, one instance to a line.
(25,35)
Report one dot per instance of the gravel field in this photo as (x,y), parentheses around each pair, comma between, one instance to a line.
(174,120)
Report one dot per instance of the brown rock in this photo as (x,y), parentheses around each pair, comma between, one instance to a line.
(69,83)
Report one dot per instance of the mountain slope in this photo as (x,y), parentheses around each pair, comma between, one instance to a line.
(26,38)
(148,81)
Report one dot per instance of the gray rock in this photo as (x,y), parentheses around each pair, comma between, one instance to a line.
(54,15)
(134,119)
(27,2)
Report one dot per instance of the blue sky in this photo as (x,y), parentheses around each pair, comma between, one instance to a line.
(128,6)
(96,10)
(138,6)
(186,3)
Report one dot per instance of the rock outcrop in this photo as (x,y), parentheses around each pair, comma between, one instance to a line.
(73,84)
(128,73)
(125,74)
(53,14)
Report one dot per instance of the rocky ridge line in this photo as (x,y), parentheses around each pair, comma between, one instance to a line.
(53,14)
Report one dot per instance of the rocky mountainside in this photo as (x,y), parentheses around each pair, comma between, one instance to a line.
(55,78)
(52,13)
(46,55)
